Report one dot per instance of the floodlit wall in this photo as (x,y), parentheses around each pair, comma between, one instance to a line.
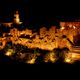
(47,39)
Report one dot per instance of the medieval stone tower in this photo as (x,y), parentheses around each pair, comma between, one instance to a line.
(17,18)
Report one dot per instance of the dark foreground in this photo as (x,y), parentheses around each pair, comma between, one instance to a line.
(6,62)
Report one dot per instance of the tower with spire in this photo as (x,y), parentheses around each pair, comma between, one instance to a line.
(17,18)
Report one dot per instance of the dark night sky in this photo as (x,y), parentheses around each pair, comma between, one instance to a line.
(40,11)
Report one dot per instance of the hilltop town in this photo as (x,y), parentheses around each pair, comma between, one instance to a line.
(52,37)
(46,39)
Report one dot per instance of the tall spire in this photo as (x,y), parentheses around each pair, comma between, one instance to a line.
(17,18)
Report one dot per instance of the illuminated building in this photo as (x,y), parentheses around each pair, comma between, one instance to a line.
(47,39)
(16,20)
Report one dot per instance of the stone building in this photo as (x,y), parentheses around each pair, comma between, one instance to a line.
(72,30)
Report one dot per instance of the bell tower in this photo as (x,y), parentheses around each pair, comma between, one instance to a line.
(17,18)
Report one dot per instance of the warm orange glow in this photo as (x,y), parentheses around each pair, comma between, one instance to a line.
(31,58)
(76,56)
(53,57)
(7,24)
(49,41)
(50,57)
(16,18)
(45,39)
(68,60)
(3,41)
(70,25)
(72,57)
(22,55)
(62,28)
(9,52)
(32,61)
(74,27)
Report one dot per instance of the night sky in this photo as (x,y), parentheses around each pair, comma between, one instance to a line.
(40,11)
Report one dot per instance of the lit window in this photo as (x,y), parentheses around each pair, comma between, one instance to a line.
(62,28)
(74,27)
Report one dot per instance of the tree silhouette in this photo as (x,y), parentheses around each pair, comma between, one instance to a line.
(57,51)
